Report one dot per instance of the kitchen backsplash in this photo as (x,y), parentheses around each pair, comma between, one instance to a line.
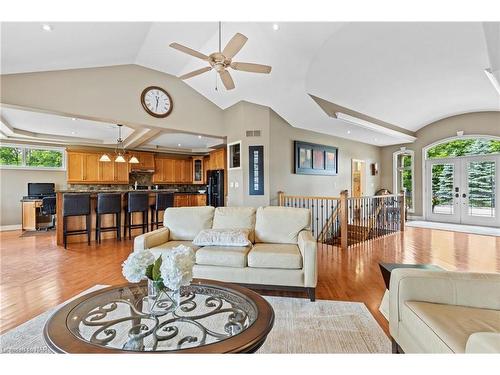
(143,179)
(181,188)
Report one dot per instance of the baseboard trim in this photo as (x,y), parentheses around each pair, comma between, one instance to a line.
(5,228)
(414,217)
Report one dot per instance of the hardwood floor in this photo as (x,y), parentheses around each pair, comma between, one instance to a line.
(37,275)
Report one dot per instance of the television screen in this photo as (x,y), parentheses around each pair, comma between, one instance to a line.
(40,188)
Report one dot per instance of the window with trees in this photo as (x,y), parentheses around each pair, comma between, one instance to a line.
(31,157)
(403,175)
(464,147)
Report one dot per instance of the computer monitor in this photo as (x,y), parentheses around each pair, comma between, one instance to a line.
(40,188)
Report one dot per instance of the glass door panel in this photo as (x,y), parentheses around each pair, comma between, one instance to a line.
(443,191)
(479,198)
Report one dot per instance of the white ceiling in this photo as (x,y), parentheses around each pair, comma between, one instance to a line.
(45,124)
(21,124)
(407,74)
(185,141)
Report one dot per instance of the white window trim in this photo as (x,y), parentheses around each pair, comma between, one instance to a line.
(395,175)
(25,147)
(229,156)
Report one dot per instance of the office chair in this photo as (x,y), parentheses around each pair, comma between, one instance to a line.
(49,208)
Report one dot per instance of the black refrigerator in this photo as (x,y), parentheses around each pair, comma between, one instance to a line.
(215,188)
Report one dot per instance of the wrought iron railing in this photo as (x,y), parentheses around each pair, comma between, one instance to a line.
(346,221)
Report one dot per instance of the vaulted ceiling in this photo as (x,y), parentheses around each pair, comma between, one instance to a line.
(404,75)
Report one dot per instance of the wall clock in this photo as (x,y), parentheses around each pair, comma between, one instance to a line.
(156,101)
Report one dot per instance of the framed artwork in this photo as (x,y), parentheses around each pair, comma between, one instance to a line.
(256,170)
(305,158)
(311,158)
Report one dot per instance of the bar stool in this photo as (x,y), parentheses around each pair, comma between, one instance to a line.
(162,202)
(76,205)
(108,203)
(137,202)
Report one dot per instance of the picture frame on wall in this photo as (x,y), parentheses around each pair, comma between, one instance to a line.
(256,170)
(315,159)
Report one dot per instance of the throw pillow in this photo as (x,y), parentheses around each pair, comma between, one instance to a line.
(222,237)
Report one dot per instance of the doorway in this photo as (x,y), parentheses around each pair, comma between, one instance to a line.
(358,170)
(463,190)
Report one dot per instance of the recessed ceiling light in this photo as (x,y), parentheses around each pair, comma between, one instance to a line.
(348,132)
(46,27)
(199,137)
(73,118)
(178,145)
(376,139)
(276,27)
(73,133)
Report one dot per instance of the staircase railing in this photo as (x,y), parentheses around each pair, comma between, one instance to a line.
(346,221)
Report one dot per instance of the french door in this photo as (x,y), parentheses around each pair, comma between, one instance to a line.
(464,190)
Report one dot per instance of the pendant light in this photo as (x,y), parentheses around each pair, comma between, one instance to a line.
(119,151)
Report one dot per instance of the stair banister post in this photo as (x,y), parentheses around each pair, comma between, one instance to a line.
(344,230)
(281,198)
(402,210)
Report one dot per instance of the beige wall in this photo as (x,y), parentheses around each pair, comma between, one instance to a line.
(14,185)
(238,119)
(478,123)
(282,162)
(111,94)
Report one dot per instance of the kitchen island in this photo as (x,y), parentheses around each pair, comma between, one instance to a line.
(181,199)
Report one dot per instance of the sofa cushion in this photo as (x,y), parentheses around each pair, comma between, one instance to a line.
(227,256)
(265,255)
(222,237)
(280,224)
(235,218)
(448,326)
(161,249)
(185,223)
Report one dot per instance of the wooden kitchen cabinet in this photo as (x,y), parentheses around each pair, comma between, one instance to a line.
(190,200)
(217,159)
(75,166)
(173,171)
(198,170)
(84,167)
(146,161)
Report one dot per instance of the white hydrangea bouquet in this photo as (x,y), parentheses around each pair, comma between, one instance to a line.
(165,275)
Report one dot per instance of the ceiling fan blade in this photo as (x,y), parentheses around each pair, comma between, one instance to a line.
(234,45)
(189,51)
(226,79)
(250,67)
(195,72)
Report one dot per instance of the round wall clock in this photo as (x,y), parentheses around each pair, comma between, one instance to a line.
(156,101)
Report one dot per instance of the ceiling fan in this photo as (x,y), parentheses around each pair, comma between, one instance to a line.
(221,61)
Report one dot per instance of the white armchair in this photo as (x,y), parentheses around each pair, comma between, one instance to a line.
(444,312)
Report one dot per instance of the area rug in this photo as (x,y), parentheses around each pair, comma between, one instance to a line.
(300,326)
(472,229)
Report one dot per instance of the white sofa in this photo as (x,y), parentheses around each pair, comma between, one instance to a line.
(444,312)
(282,254)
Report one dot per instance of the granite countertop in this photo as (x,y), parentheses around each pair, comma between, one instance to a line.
(94,191)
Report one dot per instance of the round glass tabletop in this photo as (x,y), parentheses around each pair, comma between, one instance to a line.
(118,318)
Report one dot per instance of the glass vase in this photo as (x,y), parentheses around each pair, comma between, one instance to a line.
(160,299)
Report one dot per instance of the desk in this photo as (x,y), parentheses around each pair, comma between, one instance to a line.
(31,214)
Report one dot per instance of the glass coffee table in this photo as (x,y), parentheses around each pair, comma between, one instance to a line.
(212,317)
